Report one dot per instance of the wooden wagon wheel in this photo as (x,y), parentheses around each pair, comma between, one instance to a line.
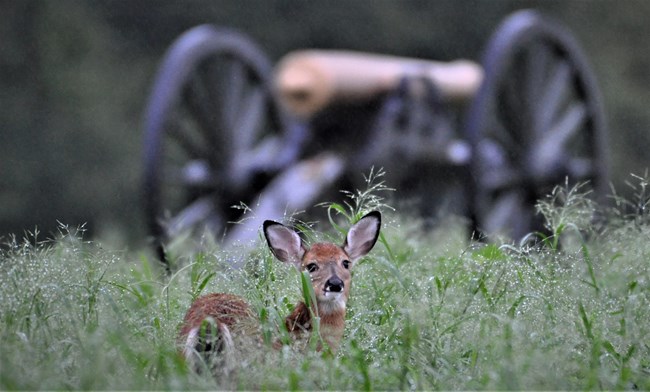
(536,120)
(212,133)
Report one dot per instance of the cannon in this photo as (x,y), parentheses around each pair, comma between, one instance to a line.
(224,128)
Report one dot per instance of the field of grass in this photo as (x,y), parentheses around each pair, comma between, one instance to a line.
(428,310)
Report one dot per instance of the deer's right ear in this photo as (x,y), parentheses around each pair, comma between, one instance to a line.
(285,243)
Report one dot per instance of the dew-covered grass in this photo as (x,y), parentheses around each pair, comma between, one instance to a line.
(428,309)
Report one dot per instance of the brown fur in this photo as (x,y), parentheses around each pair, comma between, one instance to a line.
(226,309)
(330,278)
(300,324)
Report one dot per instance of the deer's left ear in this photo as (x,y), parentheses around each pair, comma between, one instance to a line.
(363,235)
(285,243)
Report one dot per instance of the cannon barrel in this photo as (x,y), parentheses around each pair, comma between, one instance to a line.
(308,81)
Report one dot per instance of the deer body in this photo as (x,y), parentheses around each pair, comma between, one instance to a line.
(329,268)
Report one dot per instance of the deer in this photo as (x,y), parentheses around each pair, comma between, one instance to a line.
(213,320)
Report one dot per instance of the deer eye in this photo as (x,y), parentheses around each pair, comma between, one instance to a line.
(346,264)
(311,267)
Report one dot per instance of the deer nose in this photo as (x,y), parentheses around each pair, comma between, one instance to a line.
(334,284)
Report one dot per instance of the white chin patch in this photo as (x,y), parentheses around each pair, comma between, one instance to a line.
(332,296)
(331,302)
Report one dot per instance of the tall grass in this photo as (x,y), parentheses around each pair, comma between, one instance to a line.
(428,310)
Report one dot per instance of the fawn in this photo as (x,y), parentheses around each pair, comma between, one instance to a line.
(329,267)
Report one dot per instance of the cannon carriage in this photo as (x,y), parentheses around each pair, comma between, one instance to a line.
(223,127)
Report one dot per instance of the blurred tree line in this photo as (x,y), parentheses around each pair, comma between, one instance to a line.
(74,78)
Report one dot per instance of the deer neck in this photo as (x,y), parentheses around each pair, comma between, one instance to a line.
(331,323)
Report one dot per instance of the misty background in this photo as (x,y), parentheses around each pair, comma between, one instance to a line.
(75,75)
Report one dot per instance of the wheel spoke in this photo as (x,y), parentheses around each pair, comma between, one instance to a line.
(501,179)
(538,59)
(181,133)
(548,159)
(500,135)
(249,120)
(234,86)
(568,125)
(552,149)
(554,95)
(197,100)
(510,112)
